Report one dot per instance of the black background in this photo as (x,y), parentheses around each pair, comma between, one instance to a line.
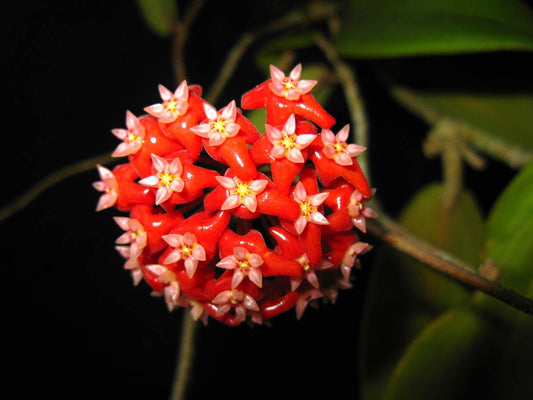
(75,325)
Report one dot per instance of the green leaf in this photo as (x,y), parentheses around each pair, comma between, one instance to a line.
(509,234)
(506,117)
(159,15)
(448,360)
(483,348)
(392,28)
(509,242)
(403,295)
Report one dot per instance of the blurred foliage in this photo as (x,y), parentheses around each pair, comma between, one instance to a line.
(391,28)
(159,15)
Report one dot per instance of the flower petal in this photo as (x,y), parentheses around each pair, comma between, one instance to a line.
(231,202)
(276,74)
(226,183)
(295,155)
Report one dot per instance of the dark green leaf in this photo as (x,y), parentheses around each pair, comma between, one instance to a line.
(391,28)
(405,296)
(451,359)
(159,15)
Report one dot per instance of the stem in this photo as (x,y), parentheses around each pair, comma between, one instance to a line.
(514,156)
(185,357)
(181,33)
(346,76)
(443,262)
(50,180)
(316,11)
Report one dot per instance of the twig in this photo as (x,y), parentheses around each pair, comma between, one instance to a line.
(48,181)
(441,261)
(317,11)
(181,33)
(514,156)
(346,76)
(185,357)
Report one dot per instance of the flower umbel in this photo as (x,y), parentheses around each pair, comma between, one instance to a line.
(231,223)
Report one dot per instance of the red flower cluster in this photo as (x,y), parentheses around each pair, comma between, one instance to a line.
(231,222)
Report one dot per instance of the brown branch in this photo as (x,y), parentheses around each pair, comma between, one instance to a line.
(315,12)
(185,357)
(181,33)
(48,181)
(444,263)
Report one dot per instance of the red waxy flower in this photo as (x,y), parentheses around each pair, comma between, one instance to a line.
(230,222)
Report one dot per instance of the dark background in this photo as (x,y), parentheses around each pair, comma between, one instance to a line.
(75,325)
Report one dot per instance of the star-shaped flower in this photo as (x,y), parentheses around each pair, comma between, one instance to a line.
(167,178)
(244,264)
(358,211)
(309,272)
(132,263)
(186,248)
(135,235)
(171,290)
(237,299)
(336,148)
(291,87)
(173,105)
(109,186)
(350,257)
(241,192)
(287,143)
(308,208)
(220,125)
(304,299)
(132,138)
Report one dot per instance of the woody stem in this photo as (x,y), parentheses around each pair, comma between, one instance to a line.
(443,262)
(185,357)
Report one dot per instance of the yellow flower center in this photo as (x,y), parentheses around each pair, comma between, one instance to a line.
(219,125)
(186,251)
(288,142)
(289,84)
(171,105)
(306,208)
(339,147)
(244,264)
(242,189)
(166,178)
(132,137)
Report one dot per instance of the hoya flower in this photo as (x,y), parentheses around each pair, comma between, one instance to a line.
(309,272)
(173,105)
(167,178)
(132,138)
(132,263)
(234,299)
(134,235)
(291,87)
(186,248)
(350,258)
(358,211)
(336,148)
(287,143)
(308,208)
(241,192)
(171,290)
(244,264)
(109,186)
(220,125)
(304,299)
